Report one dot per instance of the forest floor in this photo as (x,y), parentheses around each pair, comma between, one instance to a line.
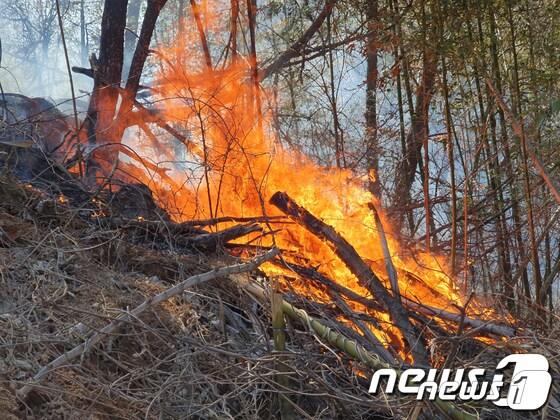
(206,353)
(73,261)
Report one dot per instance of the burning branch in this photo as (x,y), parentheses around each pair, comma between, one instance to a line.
(366,277)
(391,271)
(482,326)
(211,241)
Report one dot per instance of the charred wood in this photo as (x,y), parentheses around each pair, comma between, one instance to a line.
(216,240)
(182,236)
(366,277)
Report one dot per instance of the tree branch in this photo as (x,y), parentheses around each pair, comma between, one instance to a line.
(297,47)
(130,316)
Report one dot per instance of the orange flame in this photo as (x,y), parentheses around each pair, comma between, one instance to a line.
(241,164)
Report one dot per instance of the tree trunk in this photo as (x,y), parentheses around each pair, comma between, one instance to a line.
(130,35)
(418,132)
(107,72)
(83,42)
(142,47)
(372,145)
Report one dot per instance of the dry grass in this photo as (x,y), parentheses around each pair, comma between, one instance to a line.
(207,354)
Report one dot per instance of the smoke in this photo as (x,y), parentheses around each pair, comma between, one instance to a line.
(33,62)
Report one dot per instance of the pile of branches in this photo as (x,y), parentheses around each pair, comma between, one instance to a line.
(109,308)
(144,320)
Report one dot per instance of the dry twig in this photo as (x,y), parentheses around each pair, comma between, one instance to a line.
(129,316)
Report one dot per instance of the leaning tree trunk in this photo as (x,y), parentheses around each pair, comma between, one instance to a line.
(141,52)
(418,132)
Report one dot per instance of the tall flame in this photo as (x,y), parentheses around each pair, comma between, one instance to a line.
(240,164)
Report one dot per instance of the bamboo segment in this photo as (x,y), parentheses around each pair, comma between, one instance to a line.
(350,347)
(279,336)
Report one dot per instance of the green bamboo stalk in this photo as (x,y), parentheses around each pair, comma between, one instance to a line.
(278,324)
(279,336)
(350,347)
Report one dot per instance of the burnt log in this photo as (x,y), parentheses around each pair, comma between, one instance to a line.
(366,277)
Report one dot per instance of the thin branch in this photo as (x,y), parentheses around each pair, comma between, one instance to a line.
(518,130)
(296,48)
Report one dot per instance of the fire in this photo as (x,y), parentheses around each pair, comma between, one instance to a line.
(240,164)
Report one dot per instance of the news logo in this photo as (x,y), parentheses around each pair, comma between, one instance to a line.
(530,383)
(528,388)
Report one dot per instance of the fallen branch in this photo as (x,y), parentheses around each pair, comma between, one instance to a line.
(225,219)
(154,226)
(130,316)
(195,238)
(483,326)
(211,241)
(190,226)
(366,277)
(315,275)
(391,271)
